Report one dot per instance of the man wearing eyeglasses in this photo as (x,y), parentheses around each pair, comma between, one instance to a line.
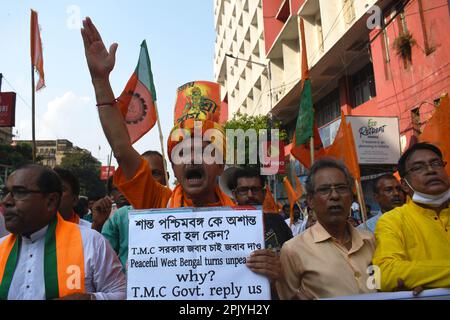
(46,257)
(331,258)
(248,189)
(413,241)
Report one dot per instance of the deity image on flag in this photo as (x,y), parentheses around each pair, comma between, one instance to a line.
(199,101)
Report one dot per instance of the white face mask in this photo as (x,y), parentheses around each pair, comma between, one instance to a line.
(434,201)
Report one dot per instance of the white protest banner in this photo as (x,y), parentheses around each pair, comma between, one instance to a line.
(194,254)
(377,139)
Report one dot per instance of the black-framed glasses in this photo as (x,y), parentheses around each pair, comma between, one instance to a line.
(422,167)
(17,193)
(341,189)
(243,191)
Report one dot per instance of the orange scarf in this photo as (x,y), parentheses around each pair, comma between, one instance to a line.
(179,199)
(63,261)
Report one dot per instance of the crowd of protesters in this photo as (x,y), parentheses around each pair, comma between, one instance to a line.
(320,253)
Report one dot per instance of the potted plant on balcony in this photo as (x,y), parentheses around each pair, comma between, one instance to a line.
(403,45)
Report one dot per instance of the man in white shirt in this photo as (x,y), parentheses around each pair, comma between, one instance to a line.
(33,262)
(388,194)
(297,225)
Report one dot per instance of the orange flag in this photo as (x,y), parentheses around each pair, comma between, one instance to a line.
(437,129)
(37,60)
(303,152)
(269,205)
(292,196)
(343,148)
(298,187)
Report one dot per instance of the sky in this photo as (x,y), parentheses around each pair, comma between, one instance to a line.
(180,37)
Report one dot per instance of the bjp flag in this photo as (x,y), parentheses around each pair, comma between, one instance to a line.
(37,60)
(137,102)
(437,129)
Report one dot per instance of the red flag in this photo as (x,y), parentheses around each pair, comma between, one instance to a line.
(37,60)
(137,101)
(437,129)
(343,148)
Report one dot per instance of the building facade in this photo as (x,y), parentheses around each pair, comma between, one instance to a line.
(355,59)
(240,64)
(366,58)
(353,54)
(52,152)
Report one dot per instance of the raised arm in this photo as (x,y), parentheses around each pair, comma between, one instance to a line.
(101,63)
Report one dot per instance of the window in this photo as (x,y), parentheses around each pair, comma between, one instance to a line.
(328,108)
(363,85)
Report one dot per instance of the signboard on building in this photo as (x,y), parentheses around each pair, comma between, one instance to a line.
(195,254)
(106,172)
(276,157)
(377,139)
(7,109)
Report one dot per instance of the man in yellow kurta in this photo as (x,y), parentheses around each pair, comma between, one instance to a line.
(413,241)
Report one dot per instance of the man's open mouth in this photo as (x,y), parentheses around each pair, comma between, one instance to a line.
(194,176)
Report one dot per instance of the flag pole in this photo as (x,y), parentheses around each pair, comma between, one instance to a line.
(33,101)
(109,167)
(161,139)
(311,146)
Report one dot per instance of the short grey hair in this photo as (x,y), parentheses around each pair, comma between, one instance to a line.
(323,164)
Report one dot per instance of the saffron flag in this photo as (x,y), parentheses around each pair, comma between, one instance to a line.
(298,187)
(437,129)
(344,148)
(137,102)
(269,204)
(37,60)
(303,152)
(292,197)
